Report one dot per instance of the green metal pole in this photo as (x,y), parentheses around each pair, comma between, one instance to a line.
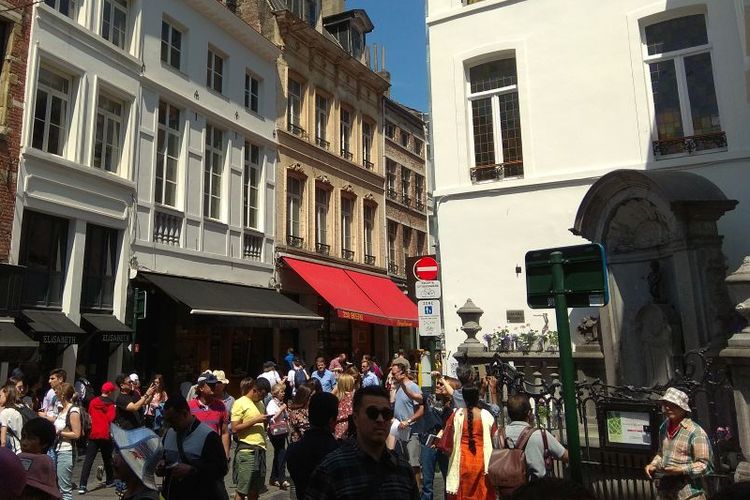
(566,366)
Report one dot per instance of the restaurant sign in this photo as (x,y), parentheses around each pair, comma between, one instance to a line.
(59,339)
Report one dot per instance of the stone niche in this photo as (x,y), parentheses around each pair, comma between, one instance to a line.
(666,269)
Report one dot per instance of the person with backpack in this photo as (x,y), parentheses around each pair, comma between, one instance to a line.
(535,447)
(68,427)
(467,438)
(102,413)
(11,419)
(297,375)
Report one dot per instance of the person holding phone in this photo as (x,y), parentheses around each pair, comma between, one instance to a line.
(249,420)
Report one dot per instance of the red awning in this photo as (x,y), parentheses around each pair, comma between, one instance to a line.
(358,296)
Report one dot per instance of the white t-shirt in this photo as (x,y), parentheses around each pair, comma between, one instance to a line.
(11,419)
(272,376)
(61,423)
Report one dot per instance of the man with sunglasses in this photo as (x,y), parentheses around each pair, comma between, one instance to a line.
(128,405)
(208,409)
(407,409)
(363,467)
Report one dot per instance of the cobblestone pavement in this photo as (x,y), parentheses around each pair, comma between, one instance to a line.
(97,489)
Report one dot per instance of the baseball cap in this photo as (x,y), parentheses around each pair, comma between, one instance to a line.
(134,377)
(108,387)
(221,376)
(141,449)
(12,467)
(40,473)
(207,377)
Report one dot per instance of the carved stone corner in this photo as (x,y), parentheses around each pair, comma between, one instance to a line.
(297,168)
(348,189)
(369,197)
(323,179)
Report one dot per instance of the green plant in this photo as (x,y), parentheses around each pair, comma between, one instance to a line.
(528,339)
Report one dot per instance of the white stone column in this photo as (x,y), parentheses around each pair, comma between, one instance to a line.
(71,301)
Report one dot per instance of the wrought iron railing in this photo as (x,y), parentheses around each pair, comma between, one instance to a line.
(392,267)
(368,164)
(347,254)
(419,204)
(392,194)
(167,228)
(347,155)
(370,260)
(497,172)
(689,144)
(294,241)
(296,130)
(322,143)
(406,200)
(322,248)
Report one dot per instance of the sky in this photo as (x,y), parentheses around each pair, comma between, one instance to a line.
(400,28)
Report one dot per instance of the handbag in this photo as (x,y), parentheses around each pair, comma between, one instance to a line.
(445,442)
(278,427)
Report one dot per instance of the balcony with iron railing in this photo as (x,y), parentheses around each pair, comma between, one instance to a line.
(484,173)
(370,260)
(405,199)
(294,241)
(323,249)
(296,130)
(392,267)
(689,144)
(347,254)
(319,141)
(167,228)
(368,164)
(419,204)
(347,155)
(392,194)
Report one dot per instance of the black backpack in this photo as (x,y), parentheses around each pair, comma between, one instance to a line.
(26,413)
(299,377)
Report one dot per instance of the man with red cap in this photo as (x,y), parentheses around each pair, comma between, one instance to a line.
(102,411)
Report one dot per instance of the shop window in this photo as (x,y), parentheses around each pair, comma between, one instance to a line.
(44,249)
(100,268)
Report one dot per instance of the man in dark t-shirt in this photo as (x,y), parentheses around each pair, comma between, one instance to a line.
(129,415)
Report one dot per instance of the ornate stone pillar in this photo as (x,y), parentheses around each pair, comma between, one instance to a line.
(471,351)
(737,356)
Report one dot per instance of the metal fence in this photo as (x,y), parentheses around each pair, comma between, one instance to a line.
(618,474)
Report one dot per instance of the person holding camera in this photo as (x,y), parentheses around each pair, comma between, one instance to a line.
(684,455)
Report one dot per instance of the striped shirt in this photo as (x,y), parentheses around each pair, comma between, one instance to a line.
(690,451)
(351,474)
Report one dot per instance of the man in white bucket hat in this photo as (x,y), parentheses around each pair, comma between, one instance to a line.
(684,455)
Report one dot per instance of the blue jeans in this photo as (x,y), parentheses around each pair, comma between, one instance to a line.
(64,465)
(430,458)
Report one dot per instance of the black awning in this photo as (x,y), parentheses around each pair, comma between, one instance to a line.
(51,327)
(256,306)
(14,344)
(107,326)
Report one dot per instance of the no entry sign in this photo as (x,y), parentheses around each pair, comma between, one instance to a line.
(426,269)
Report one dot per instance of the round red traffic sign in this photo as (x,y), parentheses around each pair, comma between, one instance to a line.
(426,269)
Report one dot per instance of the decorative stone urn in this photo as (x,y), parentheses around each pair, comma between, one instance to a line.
(471,351)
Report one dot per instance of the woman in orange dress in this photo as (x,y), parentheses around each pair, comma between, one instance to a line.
(472,430)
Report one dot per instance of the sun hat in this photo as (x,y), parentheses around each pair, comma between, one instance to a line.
(40,473)
(677,397)
(13,469)
(141,449)
(221,376)
(108,387)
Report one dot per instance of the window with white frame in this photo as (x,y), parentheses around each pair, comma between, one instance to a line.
(51,112)
(345,133)
(171,44)
(167,154)
(347,217)
(66,7)
(214,71)
(251,186)
(294,106)
(115,22)
(686,111)
(368,217)
(321,120)
(109,134)
(367,144)
(214,164)
(321,220)
(293,209)
(496,120)
(252,93)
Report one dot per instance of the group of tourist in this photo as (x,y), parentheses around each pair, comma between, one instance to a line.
(341,430)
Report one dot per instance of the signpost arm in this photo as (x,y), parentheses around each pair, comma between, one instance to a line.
(566,365)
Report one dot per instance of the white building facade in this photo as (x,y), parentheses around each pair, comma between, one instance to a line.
(534,101)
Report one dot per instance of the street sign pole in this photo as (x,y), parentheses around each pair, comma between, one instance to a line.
(566,365)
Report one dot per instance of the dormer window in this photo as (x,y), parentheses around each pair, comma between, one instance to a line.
(349,29)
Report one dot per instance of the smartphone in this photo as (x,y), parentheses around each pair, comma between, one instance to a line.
(431,440)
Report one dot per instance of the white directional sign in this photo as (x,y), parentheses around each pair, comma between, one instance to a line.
(429,318)
(427,289)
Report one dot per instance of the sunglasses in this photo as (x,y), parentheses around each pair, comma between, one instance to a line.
(372,413)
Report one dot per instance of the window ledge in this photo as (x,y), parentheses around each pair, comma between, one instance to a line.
(50,159)
(216,93)
(215,222)
(168,209)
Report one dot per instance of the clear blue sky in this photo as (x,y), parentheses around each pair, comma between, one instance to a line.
(400,28)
